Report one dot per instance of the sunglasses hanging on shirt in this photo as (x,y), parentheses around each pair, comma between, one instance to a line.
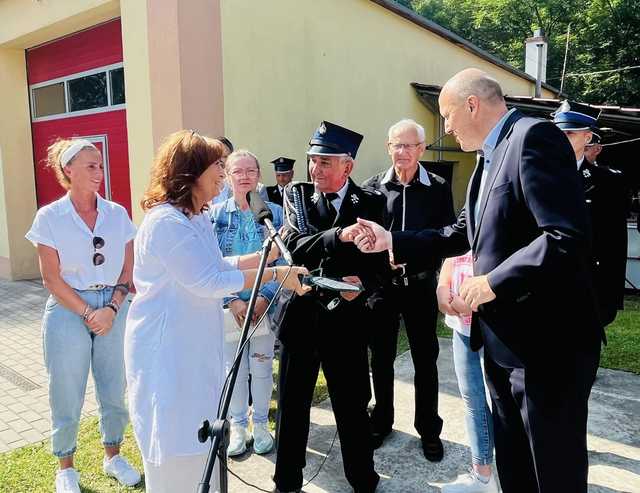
(98,258)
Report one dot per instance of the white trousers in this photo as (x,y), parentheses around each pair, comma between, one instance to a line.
(179,475)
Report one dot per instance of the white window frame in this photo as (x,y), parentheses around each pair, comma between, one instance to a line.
(65,80)
(104,140)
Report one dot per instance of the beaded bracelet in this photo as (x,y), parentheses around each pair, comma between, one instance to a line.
(123,288)
(114,306)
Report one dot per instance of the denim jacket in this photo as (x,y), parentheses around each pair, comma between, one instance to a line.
(225,219)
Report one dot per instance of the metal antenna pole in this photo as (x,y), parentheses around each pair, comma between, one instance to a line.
(566,53)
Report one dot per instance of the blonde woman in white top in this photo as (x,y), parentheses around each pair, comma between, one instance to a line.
(85,248)
(174,340)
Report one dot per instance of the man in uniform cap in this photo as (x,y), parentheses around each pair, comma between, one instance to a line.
(284,174)
(605,198)
(326,327)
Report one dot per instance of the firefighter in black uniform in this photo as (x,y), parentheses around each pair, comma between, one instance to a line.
(284,174)
(415,200)
(606,200)
(326,328)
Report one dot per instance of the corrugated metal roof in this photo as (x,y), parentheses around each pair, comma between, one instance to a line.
(622,121)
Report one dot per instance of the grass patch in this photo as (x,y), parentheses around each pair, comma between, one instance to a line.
(622,351)
(32,469)
(403,342)
(320,393)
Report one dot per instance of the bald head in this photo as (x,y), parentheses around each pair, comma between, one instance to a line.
(471,103)
(474,82)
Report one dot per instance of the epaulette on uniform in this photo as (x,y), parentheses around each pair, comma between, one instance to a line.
(608,173)
(302,186)
(370,191)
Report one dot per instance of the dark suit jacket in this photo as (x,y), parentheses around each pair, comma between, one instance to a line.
(313,243)
(273,192)
(606,199)
(531,238)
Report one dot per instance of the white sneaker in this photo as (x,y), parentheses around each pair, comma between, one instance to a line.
(118,467)
(470,483)
(67,481)
(262,440)
(238,441)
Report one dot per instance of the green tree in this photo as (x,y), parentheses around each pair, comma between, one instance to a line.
(605,34)
(610,40)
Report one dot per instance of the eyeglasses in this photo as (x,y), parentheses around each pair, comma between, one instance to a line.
(250,173)
(98,258)
(396,146)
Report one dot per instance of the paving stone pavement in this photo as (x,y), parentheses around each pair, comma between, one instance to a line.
(613,441)
(24,401)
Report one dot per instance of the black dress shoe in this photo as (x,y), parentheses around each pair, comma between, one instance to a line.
(276,490)
(433,449)
(378,438)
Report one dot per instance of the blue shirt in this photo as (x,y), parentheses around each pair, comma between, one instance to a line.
(238,234)
(248,239)
(488,146)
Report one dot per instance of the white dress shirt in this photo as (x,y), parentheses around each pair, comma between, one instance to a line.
(488,147)
(174,337)
(58,225)
(337,202)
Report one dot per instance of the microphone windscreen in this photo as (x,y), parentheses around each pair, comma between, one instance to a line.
(258,207)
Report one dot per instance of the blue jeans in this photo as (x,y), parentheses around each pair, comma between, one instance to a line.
(257,360)
(471,384)
(70,348)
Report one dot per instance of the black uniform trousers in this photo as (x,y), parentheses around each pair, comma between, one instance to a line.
(337,342)
(540,423)
(417,305)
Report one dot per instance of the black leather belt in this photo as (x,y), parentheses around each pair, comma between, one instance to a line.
(403,279)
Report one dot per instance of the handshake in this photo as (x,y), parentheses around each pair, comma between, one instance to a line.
(368,236)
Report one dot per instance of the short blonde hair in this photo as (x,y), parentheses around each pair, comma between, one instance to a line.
(54,162)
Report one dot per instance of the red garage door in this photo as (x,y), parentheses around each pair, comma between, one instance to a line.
(77,90)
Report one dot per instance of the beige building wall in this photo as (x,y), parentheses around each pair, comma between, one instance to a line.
(29,23)
(17,185)
(135,47)
(289,64)
(173,70)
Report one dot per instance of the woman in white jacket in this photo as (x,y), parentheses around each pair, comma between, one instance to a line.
(174,337)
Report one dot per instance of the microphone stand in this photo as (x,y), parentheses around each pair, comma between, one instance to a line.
(219,431)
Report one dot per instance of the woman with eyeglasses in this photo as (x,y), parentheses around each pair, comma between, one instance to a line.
(85,248)
(238,234)
(174,339)
(226,192)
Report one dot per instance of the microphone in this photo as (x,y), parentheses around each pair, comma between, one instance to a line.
(436,141)
(262,215)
